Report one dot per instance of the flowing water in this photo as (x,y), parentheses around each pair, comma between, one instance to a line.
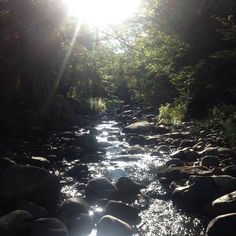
(159,217)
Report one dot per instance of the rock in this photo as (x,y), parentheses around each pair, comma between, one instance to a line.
(202,190)
(70,152)
(5,163)
(15,223)
(185,155)
(137,140)
(88,142)
(135,150)
(161,129)
(123,211)
(229,170)
(175,162)
(163,148)
(32,184)
(110,225)
(78,171)
(215,151)
(210,161)
(104,144)
(179,135)
(39,161)
(71,209)
(82,225)
(222,205)
(224,225)
(48,227)
(101,188)
(127,186)
(183,172)
(140,127)
(35,210)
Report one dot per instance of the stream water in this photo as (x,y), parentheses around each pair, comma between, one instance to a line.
(159,217)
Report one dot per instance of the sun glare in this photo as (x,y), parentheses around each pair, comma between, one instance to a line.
(102,13)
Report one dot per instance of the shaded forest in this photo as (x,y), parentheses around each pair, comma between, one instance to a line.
(176,57)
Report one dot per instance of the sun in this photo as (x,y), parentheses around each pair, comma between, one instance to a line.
(102,13)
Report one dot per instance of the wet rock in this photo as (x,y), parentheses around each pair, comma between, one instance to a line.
(70,152)
(128,186)
(15,223)
(78,171)
(48,227)
(185,155)
(222,205)
(140,127)
(123,211)
(137,140)
(222,225)
(82,225)
(161,129)
(110,225)
(175,162)
(204,189)
(30,183)
(70,210)
(179,135)
(35,210)
(229,170)
(183,172)
(215,151)
(135,150)
(39,161)
(210,161)
(163,148)
(101,188)
(88,142)
(104,144)
(6,162)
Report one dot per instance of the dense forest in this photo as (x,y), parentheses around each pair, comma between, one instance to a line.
(177,57)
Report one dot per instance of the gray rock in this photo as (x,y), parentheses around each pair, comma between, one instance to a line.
(224,225)
(32,184)
(110,225)
(15,222)
(185,155)
(101,188)
(137,140)
(123,211)
(140,127)
(48,227)
(128,186)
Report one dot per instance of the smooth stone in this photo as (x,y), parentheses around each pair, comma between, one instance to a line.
(112,226)
(48,227)
(123,211)
(161,129)
(32,184)
(70,209)
(175,162)
(39,161)
(137,140)
(101,188)
(229,170)
(6,162)
(78,171)
(135,150)
(128,186)
(185,155)
(35,210)
(15,223)
(210,161)
(224,225)
(140,127)
(88,142)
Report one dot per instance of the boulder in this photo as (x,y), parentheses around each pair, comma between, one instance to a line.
(161,129)
(71,209)
(100,188)
(15,223)
(222,205)
(35,210)
(123,211)
(140,127)
(210,161)
(137,140)
(5,163)
(78,171)
(175,162)
(48,227)
(224,225)
(185,155)
(32,184)
(229,170)
(135,150)
(202,190)
(128,186)
(88,142)
(110,225)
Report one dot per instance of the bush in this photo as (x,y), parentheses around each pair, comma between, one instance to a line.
(172,113)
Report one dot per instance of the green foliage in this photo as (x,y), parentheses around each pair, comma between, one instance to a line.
(224,118)
(172,114)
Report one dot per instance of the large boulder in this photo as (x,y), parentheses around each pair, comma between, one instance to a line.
(140,127)
(48,227)
(224,225)
(222,205)
(110,225)
(202,190)
(71,209)
(100,188)
(32,184)
(15,223)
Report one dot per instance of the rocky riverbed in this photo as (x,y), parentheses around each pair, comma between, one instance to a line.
(131,176)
